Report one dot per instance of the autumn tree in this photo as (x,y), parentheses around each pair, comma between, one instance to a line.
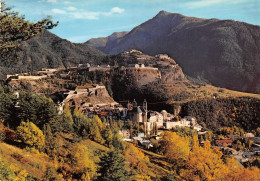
(175,147)
(31,135)
(80,161)
(137,161)
(15,29)
(204,163)
(113,167)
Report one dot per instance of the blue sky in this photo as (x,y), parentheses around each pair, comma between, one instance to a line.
(81,20)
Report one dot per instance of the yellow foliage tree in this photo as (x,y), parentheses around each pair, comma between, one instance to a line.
(203,164)
(31,135)
(136,160)
(175,147)
(83,166)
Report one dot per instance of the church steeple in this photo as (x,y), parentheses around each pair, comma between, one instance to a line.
(145,105)
(134,104)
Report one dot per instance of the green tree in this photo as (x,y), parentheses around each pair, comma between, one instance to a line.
(49,144)
(36,108)
(31,135)
(67,119)
(79,121)
(113,167)
(15,29)
(108,136)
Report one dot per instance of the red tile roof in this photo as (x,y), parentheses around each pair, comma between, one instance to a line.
(224,141)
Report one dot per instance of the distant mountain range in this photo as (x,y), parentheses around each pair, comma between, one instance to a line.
(49,50)
(225,53)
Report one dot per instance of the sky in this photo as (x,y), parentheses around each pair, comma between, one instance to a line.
(81,20)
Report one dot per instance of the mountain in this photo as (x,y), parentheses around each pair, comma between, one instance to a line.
(102,43)
(225,53)
(49,50)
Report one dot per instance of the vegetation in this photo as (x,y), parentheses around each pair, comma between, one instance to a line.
(31,135)
(113,167)
(216,113)
(15,29)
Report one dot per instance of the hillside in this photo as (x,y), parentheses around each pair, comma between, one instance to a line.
(224,52)
(102,43)
(49,50)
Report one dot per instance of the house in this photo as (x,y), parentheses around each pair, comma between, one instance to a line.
(162,56)
(255,147)
(248,154)
(249,135)
(139,137)
(124,133)
(146,143)
(220,143)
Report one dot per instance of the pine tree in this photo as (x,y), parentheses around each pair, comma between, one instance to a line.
(108,136)
(67,118)
(113,167)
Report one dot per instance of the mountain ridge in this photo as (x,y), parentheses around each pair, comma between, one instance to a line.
(47,50)
(224,52)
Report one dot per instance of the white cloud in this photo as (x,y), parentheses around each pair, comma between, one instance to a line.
(205,3)
(71,8)
(117,10)
(84,14)
(58,11)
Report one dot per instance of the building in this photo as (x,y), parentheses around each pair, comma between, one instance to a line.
(138,113)
(220,143)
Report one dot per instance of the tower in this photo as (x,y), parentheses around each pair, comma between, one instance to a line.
(134,104)
(145,105)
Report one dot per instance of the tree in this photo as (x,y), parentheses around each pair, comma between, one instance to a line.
(108,136)
(67,119)
(113,167)
(175,148)
(36,108)
(31,135)
(79,120)
(15,29)
(83,166)
(49,144)
(136,160)
(204,163)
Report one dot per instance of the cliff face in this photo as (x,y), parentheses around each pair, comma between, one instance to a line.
(84,96)
(159,68)
(224,52)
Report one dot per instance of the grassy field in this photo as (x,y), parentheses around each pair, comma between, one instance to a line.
(21,159)
(195,92)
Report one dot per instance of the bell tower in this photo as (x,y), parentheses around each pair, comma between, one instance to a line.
(145,105)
